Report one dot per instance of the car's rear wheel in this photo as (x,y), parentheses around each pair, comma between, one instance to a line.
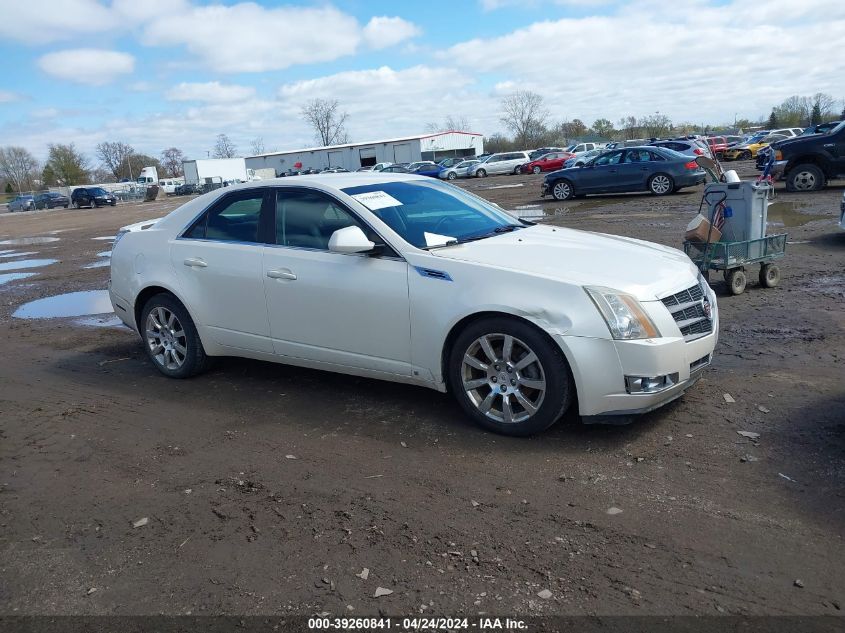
(806,177)
(562,190)
(661,184)
(481,173)
(170,338)
(509,377)
(746,155)
(536,169)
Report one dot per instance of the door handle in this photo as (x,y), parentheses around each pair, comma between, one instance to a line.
(195,262)
(284,273)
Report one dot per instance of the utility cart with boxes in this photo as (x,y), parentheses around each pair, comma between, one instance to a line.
(732,236)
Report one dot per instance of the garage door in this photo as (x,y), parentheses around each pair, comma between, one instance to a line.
(368,156)
(335,159)
(402,153)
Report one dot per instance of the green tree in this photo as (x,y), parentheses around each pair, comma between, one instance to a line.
(816,114)
(773,120)
(603,127)
(9,188)
(68,165)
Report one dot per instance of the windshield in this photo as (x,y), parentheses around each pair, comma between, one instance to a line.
(97,191)
(838,128)
(432,213)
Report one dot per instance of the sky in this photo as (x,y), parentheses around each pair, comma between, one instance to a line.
(165,73)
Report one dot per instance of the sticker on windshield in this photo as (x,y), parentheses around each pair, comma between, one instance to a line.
(375,200)
(433,239)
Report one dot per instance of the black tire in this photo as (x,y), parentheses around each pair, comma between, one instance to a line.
(805,177)
(195,359)
(481,173)
(66,206)
(661,184)
(114,204)
(93,203)
(746,155)
(560,388)
(769,275)
(562,190)
(451,175)
(736,281)
(536,169)
(76,204)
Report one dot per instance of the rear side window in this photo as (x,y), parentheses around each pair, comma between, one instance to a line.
(236,218)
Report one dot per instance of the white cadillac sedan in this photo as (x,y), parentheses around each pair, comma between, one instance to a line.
(410,279)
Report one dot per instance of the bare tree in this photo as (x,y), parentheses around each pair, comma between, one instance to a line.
(171,160)
(67,165)
(524,116)
(630,127)
(113,154)
(450,124)
(18,166)
(224,147)
(256,146)
(327,121)
(824,105)
(573,129)
(656,125)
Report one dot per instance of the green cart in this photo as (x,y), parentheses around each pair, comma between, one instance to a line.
(732,258)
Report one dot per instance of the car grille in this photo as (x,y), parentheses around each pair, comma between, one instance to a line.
(687,308)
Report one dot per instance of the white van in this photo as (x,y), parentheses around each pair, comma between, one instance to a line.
(502,163)
(169,185)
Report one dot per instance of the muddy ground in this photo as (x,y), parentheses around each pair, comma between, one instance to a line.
(268,489)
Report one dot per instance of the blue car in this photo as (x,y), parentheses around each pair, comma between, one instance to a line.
(656,169)
(428,169)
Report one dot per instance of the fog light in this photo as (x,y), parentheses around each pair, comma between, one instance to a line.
(650,384)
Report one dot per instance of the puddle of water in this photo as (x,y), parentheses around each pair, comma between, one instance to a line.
(6,251)
(26,241)
(72,304)
(27,263)
(104,237)
(103,263)
(504,186)
(104,254)
(105,320)
(787,214)
(18,253)
(4,279)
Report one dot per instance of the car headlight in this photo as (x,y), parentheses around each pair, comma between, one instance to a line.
(623,314)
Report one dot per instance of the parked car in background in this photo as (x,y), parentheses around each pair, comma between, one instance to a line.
(579,160)
(747,151)
(335,170)
(51,200)
(412,166)
(376,167)
(92,197)
(537,153)
(808,162)
(432,170)
(458,171)
(501,163)
(687,147)
(451,162)
(548,162)
(718,144)
(396,169)
(789,131)
(185,189)
(415,281)
(21,203)
(656,169)
(580,148)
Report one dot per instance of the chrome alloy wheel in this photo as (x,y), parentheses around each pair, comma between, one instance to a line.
(661,184)
(805,181)
(166,338)
(503,378)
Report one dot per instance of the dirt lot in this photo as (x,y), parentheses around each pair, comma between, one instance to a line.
(269,489)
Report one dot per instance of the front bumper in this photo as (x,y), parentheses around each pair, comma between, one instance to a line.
(600,366)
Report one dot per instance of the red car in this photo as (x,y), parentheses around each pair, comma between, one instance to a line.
(718,145)
(547,162)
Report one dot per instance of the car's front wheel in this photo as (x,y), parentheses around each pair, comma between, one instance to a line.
(451,175)
(481,173)
(536,169)
(807,177)
(509,376)
(170,337)
(562,190)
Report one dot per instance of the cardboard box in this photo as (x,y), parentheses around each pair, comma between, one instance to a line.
(698,229)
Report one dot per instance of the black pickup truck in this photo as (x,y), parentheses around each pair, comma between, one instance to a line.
(808,162)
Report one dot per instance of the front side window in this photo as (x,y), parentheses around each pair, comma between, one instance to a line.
(612,158)
(307,219)
(236,218)
(415,209)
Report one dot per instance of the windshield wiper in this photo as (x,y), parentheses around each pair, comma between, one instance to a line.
(506,228)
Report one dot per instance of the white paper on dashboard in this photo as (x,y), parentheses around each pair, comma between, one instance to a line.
(433,239)
(375,200)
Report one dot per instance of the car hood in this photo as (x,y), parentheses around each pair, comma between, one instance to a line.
(644,269)
(794,140)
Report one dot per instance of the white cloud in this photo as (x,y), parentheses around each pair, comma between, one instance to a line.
(91,66)
(44,21)
(7,96)
(384,31)
(247,37)
(210,92)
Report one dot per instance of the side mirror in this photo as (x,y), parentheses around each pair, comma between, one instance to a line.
(350,240)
